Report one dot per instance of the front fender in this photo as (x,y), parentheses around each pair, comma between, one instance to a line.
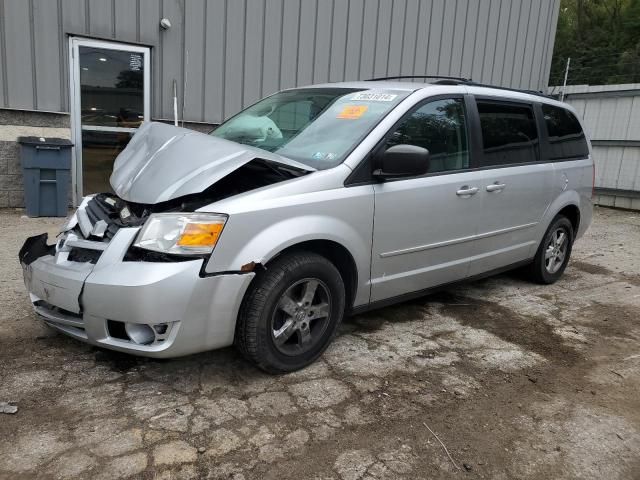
(259,236)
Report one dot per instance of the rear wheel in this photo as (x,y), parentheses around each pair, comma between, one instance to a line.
(553,253)
(291,312)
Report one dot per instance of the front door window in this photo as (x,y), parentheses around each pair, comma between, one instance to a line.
(110,98)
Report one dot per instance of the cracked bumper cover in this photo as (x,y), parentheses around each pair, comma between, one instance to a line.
(79,298)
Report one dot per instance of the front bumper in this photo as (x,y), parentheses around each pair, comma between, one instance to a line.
(80,298)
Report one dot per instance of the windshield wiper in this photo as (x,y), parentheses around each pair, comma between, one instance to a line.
(280,170)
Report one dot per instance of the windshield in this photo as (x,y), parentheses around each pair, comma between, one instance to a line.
(317,127)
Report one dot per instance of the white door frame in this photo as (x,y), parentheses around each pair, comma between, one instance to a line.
(75,106)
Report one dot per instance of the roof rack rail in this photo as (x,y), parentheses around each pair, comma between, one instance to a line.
(402,77)
(519,90)
(447,80)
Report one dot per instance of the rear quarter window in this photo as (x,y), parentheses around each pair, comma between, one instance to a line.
(566,138)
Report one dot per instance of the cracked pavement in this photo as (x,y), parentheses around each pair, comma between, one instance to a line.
(517,380)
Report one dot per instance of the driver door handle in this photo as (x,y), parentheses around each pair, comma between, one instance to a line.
(495,187)
(466,190)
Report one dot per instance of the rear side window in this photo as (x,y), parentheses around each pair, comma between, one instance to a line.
(509,133)
(566,138)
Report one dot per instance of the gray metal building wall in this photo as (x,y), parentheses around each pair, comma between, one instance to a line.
(611,114)
(241,50)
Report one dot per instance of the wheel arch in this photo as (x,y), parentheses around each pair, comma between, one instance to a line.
(572,212)
(337,254)
(567,204)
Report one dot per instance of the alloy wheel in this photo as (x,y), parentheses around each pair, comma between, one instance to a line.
(301,316)
(556,250)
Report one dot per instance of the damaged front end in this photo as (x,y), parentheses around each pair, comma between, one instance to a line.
(106,283)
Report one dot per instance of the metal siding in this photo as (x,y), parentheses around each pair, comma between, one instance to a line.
(234,60)
(338,40)
(422,38)
(446,38)
(619,114)
(17,48)
(509,51)
(492,38)
(629,176)
(241,50)
(75,16)
(322,49)
(408,56)
(368,48)
(609,117)
(171,59)
(466,64)
(538,44)
(353,52)
(633,132)
(529,46)
(521,44)
(150,35)
(289,45)
(46,47)
(459,33)
(551,36)
(194,58)
(382,39)
(100,18)
(213,98)
(306,42)
(398,17)
(254,37)
(3,63)
(272,42)
(126,20)
(478,68)
(435,36)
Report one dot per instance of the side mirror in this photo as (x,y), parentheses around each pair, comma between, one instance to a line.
(402,161)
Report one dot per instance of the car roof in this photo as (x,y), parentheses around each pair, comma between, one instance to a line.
(470,87)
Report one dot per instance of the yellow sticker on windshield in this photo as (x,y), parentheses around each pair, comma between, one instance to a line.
(352,112)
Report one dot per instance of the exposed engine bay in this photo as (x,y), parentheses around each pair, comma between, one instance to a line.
(99,218)
(163,169)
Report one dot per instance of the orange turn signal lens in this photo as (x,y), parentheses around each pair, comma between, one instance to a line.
(200,235)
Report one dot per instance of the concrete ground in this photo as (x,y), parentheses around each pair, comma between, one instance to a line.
(517,381)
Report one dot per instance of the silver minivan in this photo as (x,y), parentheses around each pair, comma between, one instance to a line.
(314,203)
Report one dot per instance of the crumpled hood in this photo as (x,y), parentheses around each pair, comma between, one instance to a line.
(162,162)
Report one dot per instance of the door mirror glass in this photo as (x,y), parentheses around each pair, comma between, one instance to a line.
(402,161)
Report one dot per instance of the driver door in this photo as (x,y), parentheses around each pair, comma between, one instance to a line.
(424,227)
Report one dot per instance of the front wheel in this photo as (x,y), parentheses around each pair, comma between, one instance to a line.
(291,312)
(553,253)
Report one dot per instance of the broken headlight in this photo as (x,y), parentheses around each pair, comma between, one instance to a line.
(181,233)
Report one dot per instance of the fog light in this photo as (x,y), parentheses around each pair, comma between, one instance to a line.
(161,328)
(140,333)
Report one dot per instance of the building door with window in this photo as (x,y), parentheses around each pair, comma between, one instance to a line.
(109,100)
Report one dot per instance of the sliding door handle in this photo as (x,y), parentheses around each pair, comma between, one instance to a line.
(467,191)
(496,187)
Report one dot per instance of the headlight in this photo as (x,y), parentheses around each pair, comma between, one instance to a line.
(181,233)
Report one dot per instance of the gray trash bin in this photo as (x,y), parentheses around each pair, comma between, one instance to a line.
(46,167)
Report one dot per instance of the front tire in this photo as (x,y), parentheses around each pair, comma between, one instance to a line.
(553,253)
(291,312)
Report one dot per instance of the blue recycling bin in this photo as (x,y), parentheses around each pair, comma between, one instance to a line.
(46,167)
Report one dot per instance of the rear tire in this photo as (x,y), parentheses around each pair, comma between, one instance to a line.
(553,253)
(291,312)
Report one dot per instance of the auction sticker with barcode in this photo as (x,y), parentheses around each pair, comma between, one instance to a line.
(374,97)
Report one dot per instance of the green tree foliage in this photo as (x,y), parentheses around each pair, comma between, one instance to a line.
(602,37)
